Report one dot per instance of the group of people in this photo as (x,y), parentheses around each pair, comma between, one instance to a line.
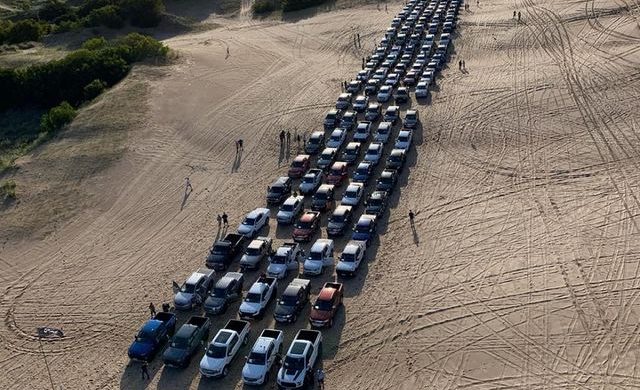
(518,14)
(223,220)
(356,41)
(462,65)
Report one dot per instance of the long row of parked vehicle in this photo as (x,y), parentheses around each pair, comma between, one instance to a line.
(407,56)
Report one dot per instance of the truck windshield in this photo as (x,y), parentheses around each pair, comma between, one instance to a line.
(249,221)
(351,194)
(315,256)
(252,252)
(362,171)
(179,343)
(287,207)
(295,363)
(257,358)
(145,337)
(348,257)
(314,140)
(219,292)
(309,179)
(216,351)
(304,225)
(278,259)
(374,202)
(253,298)
(323,305)
(337,218)
(188,288)
(220,250)
(298,164)
(362,228)
(276,189)
(288,300)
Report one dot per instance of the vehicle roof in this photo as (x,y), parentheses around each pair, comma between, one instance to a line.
(388,173)
(338,165)
(292,200)
(151,326)
(363,124)
(384,125)
(281,180)
(227,279)
(378,195)
(329,151)
(396,152)
(259,210)
(353,145)
(353,186)
(361,97)
(301,157)
(256,244)
(385,87)
(292,290)
(337,132)
(393,108)
(405,133)
(375,146)
(195,277)
(186,331)
(327,293)
(410,112)
(366,219)
(223,336)
(344,95)
(308,216)
(325,188)
(373,105)
(342,209)
(261,345)
(317,134)
(333,111)
(258,287)
(320,244)
(364,164)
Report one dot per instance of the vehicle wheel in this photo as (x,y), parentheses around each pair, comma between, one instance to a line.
(225,371)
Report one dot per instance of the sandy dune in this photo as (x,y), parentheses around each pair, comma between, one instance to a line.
(523,268)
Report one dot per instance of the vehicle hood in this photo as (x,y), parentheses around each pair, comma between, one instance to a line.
(319,315)
(244,229)
(304,232)
(276,269)
(249,307)
(312,264)
(346,266)
(290,375)
(284,215)
(282,310)
(371,209)
(307,186)
(360,236)
(213,364)
(183,299)
(247,259)
(214,302)
(253,371)
(335,225)
(141,350)
(174,355)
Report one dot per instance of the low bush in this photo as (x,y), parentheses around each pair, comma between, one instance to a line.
(24,31)
(56,118)
(108,16)
(144,13)
(8,190)
(263,7)
(94,89)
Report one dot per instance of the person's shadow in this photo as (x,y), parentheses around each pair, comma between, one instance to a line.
(282,150)
(187,192)
(416,239)
(236,162)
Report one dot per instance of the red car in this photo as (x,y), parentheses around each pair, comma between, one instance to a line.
(307,226)
(338,173)
(299,166)
(326,305)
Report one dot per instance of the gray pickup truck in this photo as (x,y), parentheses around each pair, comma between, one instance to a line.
(224,251)
(187,340)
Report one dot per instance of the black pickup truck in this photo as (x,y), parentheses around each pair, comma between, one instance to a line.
(224,251)
(187,340)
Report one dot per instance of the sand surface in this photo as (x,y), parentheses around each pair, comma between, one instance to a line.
(522,272)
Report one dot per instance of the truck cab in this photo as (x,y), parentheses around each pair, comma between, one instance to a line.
(227,290)
(292,301)
(187,340)
(262,357)
(326,305)
(320,256)
(194,290)
(152,336)
(223,348)
(302,356)
(257,250)
(285,259)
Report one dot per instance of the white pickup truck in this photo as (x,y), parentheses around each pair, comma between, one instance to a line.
(264,354)
(320,256)
(304,352)
(285,259)
(261,293)
(224,347)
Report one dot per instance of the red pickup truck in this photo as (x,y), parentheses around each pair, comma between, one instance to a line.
(326,305)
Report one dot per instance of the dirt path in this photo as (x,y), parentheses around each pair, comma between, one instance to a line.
(523,270)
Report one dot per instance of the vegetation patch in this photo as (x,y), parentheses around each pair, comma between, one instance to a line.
(7,190)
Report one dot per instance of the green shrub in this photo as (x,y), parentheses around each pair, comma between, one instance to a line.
(55,10)
(108,16)
(95,43)
(93,89)
(294,5)
(56,118)
(263,7)
(144,13)
(24,30)
(137,47)
(8,189)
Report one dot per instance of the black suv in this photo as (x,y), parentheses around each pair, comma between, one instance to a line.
(226,290)
(376,203)
(279,191)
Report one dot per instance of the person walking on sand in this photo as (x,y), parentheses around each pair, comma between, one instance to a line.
(460,64)
(514,14)
(240,145)
(225,219)
(411,217)
(464,65)
(152,309)
(228,51)
(320,378)
(282,138)
(187,185)
(359,44)
(219,219)
(144,369)
(519,15)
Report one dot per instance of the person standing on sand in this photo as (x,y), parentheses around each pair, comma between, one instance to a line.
(281,138)
(464,65)
(288,138)
(166,307)
(219,219)
(460,64)
(411,217)
(225,219)
(514,14)
(144,369)
(152,309)
(519,15)
(187,185)
(240,145)
(320,378)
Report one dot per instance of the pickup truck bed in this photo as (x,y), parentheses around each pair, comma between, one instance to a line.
(236,325)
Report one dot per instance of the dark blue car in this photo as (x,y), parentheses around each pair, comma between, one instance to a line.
(365,229)
(152,336)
